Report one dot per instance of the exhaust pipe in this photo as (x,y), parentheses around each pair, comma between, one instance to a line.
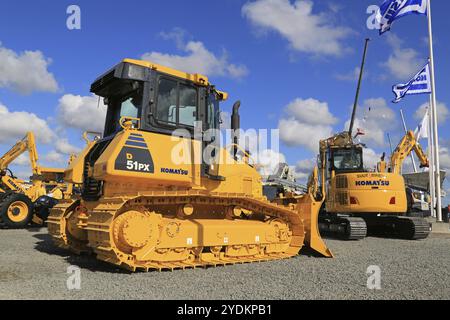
(236,126)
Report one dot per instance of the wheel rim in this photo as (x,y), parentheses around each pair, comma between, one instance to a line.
(18,211)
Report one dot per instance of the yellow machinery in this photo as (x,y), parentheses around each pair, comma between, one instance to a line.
(22,202)
(151,201)
(355,199)
(407,144)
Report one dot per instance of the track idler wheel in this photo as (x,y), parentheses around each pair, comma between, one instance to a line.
(134,230)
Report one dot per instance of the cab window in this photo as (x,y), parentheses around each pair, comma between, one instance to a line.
(347,160)
(187,111)
(128,105)
(176,103)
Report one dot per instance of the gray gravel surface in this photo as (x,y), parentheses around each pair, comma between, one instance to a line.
(32,268)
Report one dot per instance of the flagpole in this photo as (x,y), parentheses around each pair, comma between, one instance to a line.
(432,185)
(406,132)
(435,116)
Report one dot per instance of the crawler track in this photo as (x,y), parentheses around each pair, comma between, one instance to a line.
(344,228)
(408,228)
(99,231)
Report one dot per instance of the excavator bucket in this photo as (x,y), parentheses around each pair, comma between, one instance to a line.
(308,208)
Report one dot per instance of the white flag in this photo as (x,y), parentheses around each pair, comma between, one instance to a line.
(421,131)
(391,10)
(419,84)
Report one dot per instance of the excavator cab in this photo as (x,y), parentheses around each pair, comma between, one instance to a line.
(345,160)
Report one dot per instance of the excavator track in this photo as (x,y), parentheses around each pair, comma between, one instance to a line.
(106,233)
(408,228)
(344,228)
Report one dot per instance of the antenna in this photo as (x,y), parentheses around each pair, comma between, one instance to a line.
(361,72)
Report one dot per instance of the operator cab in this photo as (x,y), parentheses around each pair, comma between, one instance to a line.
(157,99)
(161,100)
(346,160)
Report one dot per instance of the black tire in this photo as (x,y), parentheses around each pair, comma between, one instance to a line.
(24,214)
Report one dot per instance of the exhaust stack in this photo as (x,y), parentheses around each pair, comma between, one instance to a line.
(235,126)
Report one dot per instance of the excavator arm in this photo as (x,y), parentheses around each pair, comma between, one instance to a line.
(26,144)
(404,149)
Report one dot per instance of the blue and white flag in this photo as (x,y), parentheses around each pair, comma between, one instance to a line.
(420,84)
(391,10)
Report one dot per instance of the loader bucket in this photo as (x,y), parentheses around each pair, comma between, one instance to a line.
(308,208)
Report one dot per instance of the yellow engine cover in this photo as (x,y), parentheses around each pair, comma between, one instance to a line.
(366,193)
(137,161)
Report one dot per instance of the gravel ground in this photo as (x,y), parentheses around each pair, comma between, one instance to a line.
(32,268)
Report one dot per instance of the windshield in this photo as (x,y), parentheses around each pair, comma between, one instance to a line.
(128,105)
(347,160)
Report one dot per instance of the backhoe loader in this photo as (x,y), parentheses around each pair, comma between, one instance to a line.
(24,202)
(151,199)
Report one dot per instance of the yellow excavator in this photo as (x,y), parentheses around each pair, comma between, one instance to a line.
(24,202)
(357,200)
(158,192)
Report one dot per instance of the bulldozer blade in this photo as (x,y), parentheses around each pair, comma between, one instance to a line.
(308,208)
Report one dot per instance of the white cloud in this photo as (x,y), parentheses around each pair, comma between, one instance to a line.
(371,158)
(442,112)
(197,58)
(15,125)
(63,146)
(25,72)
(403,63)
(54,157)
(85,113)
(268,161)
(377,119)
(296,133)
(22,160)
(306,31)
(306,123)
(311,111)
(303,170)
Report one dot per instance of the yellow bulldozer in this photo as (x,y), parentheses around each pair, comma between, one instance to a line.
(150,200)
(23,202)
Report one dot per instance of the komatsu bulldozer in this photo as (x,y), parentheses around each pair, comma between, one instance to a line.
(152,200)
(24,202)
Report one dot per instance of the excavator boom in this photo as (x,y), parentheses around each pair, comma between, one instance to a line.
(408,144)
(26,144)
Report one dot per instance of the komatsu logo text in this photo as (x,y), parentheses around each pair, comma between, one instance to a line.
(374,183)
(136,165)
(175,171)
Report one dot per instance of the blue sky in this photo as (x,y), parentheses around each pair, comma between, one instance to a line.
(290,63)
